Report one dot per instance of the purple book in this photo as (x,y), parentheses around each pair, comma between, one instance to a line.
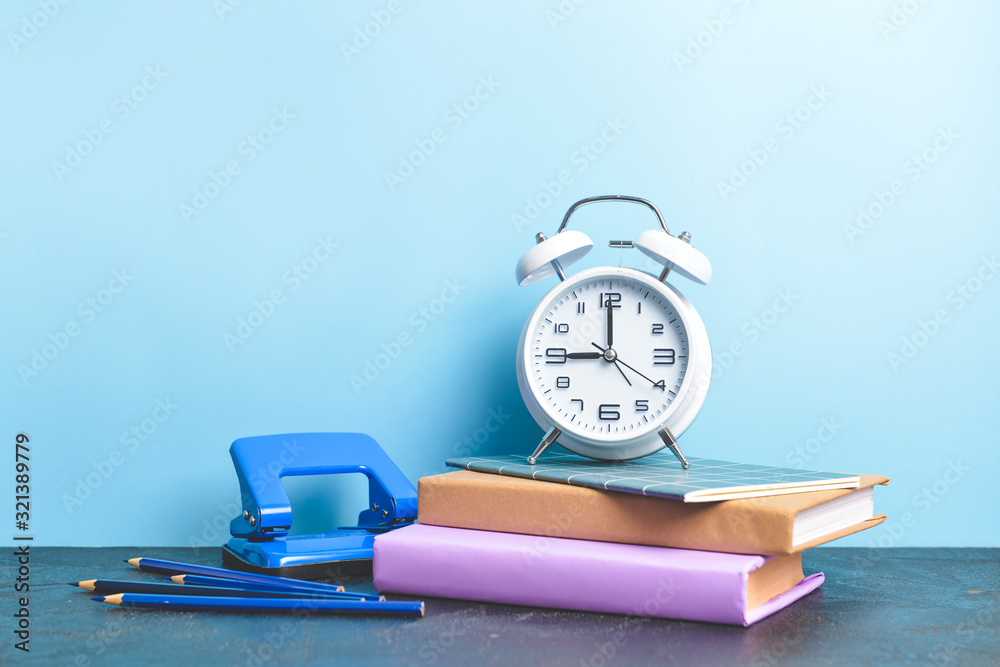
(585,575)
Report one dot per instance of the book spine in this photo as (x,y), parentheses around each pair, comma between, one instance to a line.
(564,574)
(555,510)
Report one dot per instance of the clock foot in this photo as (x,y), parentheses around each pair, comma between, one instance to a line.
(671,442)
(546,442)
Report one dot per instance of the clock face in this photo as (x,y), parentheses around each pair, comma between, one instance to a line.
(606,356)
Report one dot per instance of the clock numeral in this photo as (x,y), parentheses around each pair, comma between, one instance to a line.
(562,382)
(657,329)
(578,400)
(663,356)
(581,307)
(661,385)
(642,406)
(561,328)
(555,355)
(608,413)
(614,298)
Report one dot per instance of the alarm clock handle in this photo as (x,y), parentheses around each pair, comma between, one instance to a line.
(546,442)
(624,198)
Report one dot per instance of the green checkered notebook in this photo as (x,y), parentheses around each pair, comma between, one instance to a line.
(661,475)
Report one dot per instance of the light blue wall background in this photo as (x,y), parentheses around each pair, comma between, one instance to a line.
(893,76)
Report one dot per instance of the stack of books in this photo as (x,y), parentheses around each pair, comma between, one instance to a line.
(721,542)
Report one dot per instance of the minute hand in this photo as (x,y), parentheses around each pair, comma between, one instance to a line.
(627,366)
(611,308)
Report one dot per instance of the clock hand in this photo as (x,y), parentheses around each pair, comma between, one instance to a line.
(584,355)
(617,361)
(610,308)
(622,372)
(608,355)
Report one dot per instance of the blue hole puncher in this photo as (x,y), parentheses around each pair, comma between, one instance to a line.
(261,542)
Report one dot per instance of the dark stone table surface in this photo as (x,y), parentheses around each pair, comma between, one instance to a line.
(878,606)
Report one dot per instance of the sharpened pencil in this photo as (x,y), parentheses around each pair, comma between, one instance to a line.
(173,567)
(201,581)
(278,605)
(108,586)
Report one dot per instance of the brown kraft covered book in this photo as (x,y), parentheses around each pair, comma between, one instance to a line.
(775,525)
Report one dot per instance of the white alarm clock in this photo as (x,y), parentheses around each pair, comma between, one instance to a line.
(613,363)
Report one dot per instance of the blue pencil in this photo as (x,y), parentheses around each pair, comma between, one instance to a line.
(250,586)
(108,587)
(173,567)
(285,605)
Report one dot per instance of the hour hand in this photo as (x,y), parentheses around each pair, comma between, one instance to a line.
(584,355)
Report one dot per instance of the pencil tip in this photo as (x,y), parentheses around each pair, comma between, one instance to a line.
(381,598)
(72,583)
(99,598)
(134,561)
(177,578)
